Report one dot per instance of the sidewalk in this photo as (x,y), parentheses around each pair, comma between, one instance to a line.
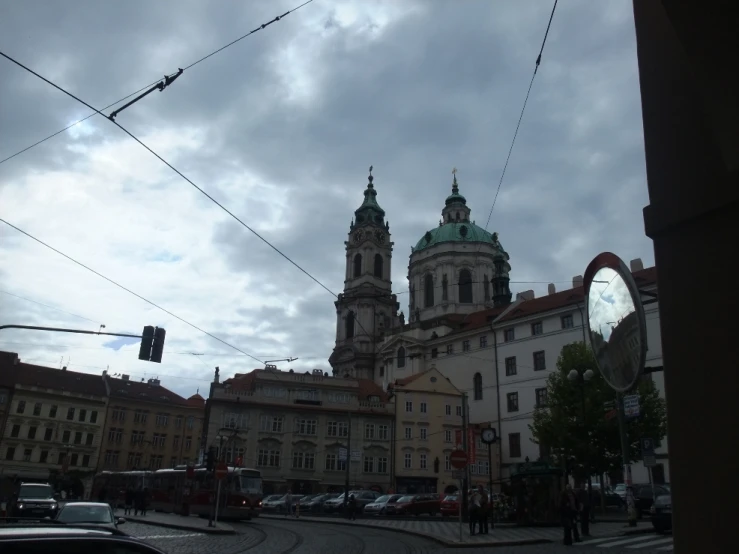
(174,521)
(447,532)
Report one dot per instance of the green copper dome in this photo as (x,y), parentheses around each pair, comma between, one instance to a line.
(462,231)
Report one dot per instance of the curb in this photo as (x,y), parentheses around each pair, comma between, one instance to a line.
(637,531)
(433,538)
(182,526)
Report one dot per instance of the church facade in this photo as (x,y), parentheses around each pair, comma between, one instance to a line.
(456,271)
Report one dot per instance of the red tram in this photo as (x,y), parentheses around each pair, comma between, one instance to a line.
(240,498)
(117,482)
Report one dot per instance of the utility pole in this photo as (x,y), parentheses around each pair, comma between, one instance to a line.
(348,463)
(465,447)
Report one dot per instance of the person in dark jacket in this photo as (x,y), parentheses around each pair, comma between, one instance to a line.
(128,503)
(568,509)
(352,507)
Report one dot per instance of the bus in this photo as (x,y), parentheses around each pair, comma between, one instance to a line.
(240,497)
(117,482)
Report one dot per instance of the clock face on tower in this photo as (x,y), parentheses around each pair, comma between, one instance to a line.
(380,236)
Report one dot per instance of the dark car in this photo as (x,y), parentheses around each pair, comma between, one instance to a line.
(68,539)
(645,494)
(95,514)
(662,513)
(35,500)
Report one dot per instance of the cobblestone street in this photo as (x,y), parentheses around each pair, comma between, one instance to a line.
(305,537)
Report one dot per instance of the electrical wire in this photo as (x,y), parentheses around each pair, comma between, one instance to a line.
(88,268)
(242,37)
(178,172)
(50,307)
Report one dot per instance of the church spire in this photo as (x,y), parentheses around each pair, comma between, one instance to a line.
(370,211)
(455,186)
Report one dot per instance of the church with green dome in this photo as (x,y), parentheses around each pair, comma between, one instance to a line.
(455,269)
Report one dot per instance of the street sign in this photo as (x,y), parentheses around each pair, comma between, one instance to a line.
(611,414)
(647,452)
(221,471)
(631,405)
(458,459)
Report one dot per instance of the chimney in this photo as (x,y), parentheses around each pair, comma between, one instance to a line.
(64,368)
(577,281)
(154,382)
(636,265)
(551,288)
(526,295)
(125,377)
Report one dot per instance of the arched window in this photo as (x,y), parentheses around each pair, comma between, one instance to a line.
(477,386)
(465,287)
(350,324)
(357,265)
(486,286)
(378,266)
(401,357)
(428,290)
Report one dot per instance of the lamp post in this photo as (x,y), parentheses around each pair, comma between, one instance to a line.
(581,379)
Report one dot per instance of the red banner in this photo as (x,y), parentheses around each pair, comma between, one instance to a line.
(471,445)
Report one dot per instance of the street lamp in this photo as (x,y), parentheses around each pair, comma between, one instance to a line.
(582,378)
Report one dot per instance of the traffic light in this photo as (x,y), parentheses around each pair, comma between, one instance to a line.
(147,339)
(152,344)
(158,345)
(210,459)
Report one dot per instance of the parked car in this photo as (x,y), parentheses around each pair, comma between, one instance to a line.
(314,503)
(379,505)
(416,504)
(661,512)
(269,503)
(450,505)
(362,498)
(644,494)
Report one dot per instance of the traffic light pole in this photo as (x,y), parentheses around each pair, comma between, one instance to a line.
(60,330)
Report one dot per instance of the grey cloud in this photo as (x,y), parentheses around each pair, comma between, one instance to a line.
(437,89)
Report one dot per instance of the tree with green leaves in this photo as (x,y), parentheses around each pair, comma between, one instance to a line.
(573,422)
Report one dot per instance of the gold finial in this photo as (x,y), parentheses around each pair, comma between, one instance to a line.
(455,187)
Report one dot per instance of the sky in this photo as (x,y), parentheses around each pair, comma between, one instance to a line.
(281,128)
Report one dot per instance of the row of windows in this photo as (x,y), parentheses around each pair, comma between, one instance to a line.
(158,440)
(423,408)
(357,268)
(276,424)
(141,417)
(45,457)
(537,328)
(540,396)
(112,460)
(49,434)
(82,413)
(307,461)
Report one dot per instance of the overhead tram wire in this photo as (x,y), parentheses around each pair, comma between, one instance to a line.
(518,124)
(178,172)
(242,37)
(88,268)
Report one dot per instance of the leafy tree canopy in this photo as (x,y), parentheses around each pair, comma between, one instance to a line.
(573,422)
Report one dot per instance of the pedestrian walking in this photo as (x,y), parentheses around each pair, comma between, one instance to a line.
(128,502)
(352,506)
(584,505)
(288,504)
(568,510)
(474,510)
(484,508)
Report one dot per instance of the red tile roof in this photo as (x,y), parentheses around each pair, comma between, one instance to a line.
(405,380)
(196,401)
(143,392)
(60,379)
(568,297)
(365,388)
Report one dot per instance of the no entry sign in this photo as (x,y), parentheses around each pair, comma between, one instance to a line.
(458,459)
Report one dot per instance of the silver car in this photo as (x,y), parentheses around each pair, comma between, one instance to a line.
(379,506)
(95,514)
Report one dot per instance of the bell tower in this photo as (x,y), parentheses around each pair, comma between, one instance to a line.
(367,307)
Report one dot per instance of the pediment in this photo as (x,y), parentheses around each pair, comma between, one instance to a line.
(397,341)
